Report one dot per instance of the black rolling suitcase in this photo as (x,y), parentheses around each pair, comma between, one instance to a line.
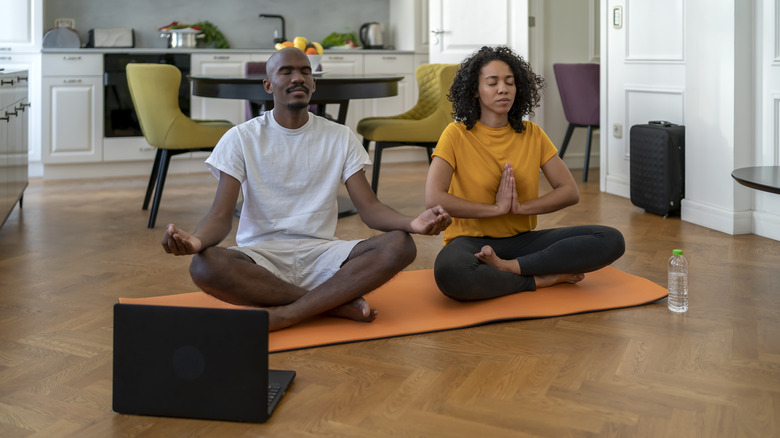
(657,166)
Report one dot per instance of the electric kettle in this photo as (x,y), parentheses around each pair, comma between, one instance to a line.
(371,36)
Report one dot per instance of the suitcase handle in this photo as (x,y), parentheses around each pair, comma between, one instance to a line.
(661,122)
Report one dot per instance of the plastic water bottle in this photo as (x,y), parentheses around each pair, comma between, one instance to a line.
(678,282)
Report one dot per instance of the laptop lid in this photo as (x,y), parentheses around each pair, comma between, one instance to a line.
(193,363)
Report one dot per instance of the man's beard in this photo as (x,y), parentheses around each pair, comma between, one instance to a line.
(297,106)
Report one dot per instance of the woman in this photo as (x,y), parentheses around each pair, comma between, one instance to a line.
(485,173)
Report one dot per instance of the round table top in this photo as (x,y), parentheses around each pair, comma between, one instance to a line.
(329,87)
(765,178)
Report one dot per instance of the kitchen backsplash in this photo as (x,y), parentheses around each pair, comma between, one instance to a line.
(238,19)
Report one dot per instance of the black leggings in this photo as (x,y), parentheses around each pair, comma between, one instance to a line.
(571,250)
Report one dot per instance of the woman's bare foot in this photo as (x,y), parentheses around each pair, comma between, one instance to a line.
(489,257)
(553,279)
(356,310)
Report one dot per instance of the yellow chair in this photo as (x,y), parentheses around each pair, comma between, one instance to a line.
(420,126)
(154,89)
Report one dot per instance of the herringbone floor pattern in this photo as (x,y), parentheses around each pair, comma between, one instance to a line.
(641,372)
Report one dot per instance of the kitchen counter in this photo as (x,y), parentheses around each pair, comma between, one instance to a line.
(226,51)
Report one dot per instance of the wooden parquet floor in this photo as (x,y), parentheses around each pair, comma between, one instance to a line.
(640,372)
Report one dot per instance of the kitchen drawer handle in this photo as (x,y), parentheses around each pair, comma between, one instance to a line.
(71,81)
(222,57)
(21,78)
(21,108)
(4,82)
(71,58)
(8,113)
(26,105)
(7,119)
(5,58)
(390,58)
(337,58)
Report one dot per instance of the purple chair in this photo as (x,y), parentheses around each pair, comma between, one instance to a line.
(252,109)
(258,68)
(578,85)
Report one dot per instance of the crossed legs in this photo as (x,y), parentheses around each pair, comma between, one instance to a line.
(541,258)
(233,277)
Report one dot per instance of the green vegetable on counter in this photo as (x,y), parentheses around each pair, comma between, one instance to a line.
(337,39)
(212,34)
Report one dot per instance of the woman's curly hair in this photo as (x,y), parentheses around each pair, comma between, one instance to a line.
(465,87)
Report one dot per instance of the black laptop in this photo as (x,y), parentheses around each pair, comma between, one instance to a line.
(194,363)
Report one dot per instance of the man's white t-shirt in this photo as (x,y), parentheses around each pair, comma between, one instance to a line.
(289,177)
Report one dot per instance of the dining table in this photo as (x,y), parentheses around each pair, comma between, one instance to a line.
(330,88)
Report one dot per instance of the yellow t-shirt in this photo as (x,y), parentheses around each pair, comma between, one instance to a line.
(477,157)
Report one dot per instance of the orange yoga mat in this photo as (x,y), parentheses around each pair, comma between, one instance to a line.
(411,303)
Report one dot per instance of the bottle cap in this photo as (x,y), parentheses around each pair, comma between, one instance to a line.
(677,251)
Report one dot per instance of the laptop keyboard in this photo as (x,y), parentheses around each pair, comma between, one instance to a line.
(273,391)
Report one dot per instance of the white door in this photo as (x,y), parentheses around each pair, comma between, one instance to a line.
(644,78)
(460,27)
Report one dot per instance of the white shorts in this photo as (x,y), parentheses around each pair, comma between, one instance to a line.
(306,263)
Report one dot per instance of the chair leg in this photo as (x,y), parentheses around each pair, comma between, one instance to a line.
(377,161)
(430,153)
(152,179)
(165,160)
(366,143)
(587,154)
(566,139)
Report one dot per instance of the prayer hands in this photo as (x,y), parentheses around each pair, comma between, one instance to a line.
(431,222)
(179,242)
(506,196)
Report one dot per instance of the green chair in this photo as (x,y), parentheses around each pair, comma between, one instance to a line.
(420,126)
(154,89)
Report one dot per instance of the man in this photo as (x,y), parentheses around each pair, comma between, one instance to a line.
(289,164)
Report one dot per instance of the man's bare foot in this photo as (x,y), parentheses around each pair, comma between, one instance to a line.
(553,279)
(356,310)
(489,257)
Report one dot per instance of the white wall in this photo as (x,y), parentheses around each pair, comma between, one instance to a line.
(730,100)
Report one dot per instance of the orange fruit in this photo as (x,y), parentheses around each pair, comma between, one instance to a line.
(311,51)
(288,44)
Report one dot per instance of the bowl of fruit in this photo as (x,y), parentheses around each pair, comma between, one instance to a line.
(312,49)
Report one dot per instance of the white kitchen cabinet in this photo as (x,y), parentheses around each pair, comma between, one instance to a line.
(31,63)
(394,64)
(234,64)
(72,108)
(21,25)
(13,139)
(345,63)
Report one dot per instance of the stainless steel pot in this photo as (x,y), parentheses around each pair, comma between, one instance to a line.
(182,39)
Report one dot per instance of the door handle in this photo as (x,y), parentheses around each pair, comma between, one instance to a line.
(436,33)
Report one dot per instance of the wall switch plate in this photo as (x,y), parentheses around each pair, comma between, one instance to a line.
(617,17)
(617,130)
(65,22)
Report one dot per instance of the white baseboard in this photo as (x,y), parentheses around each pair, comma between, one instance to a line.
(716,218)
(618,186)
(119,169)
(766,225)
